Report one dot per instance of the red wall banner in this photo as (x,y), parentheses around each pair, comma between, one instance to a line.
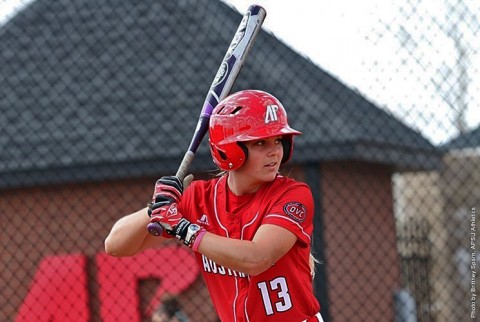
(59,291)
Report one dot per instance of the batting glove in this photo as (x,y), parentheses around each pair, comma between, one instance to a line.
(168,190)
(167,216)
(174,225)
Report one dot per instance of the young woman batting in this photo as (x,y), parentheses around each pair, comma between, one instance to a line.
(250,227)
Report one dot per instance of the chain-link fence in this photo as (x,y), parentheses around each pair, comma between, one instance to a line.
(99,98)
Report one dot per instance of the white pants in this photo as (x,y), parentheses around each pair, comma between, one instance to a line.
(318,316)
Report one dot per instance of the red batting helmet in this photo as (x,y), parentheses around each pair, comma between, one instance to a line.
(244,116)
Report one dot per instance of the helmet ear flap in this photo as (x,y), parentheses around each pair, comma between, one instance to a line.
(219,155)
(245,150)
(222,154)
(229,156)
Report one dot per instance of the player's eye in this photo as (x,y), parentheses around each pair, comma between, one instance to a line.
(262,142)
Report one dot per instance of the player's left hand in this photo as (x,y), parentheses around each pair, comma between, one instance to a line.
(172,222)
(168,216)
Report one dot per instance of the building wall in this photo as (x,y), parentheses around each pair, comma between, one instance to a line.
(45,225)
(443,200)
(73,220)
(459,182)
(361,257)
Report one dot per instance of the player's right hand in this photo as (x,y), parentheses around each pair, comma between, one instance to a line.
(168,190)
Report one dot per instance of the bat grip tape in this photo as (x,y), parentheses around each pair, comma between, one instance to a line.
(184,165)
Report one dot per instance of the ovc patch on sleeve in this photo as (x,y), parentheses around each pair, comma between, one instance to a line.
(296,211)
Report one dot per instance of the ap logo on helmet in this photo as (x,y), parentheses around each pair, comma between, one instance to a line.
(271,114)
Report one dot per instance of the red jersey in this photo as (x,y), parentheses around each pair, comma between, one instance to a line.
(284,291)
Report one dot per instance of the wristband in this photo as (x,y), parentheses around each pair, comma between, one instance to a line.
(198,238)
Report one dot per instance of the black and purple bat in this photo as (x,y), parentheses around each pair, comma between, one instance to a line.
(226,75)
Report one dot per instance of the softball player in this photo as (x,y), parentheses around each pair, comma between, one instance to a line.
(250,227)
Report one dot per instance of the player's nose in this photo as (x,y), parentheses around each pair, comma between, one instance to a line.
(274,149)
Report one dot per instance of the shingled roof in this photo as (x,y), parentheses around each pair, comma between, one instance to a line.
(93,89)
(470,139)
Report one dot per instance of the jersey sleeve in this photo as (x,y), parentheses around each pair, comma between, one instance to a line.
(186,206)
(294,211)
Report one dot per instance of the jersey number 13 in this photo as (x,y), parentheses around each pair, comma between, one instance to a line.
(278,286)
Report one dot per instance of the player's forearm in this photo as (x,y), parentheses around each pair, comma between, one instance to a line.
(129,235)
(240,255)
